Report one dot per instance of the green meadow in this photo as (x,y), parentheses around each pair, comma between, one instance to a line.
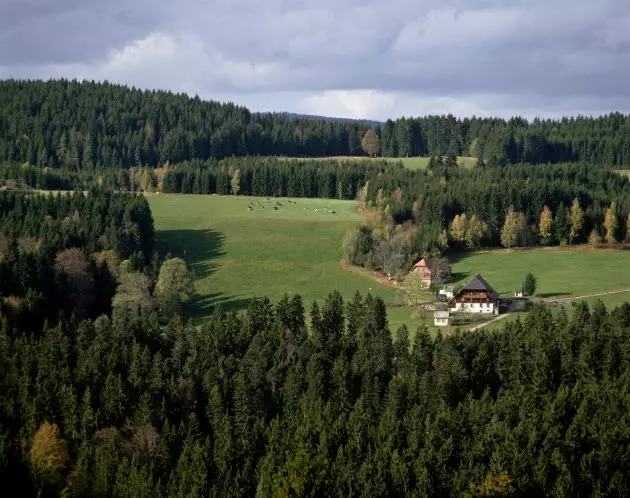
(560,273)
(237,254)
(413,163)
(421,163)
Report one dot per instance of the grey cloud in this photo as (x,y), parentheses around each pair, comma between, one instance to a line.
(523,54)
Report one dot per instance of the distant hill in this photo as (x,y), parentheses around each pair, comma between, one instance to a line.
(327,119)
(77,125)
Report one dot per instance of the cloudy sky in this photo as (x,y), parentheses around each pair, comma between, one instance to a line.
(370,58)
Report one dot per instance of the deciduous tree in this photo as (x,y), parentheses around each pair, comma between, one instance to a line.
(235,182)
(371,143)
(476,231)
(174,285)
(133,297)
(545,224)
(576,220)
(459,227)
(48,457)
(611,224)
(411,290)
(513,228)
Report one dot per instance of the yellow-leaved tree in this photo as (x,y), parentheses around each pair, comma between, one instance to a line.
(48,458)
(544,225)
(576,220)
(371,143)
(611,224)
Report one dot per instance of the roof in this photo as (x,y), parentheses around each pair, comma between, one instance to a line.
(440,314)
(477,283)
(421,264)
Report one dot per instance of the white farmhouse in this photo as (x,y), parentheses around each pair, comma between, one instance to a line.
(477,296)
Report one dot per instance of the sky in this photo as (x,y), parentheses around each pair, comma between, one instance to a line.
(369,59)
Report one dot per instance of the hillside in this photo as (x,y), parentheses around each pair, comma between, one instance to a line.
(77,125)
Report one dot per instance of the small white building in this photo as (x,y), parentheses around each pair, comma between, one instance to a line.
(446,293)
(440,318)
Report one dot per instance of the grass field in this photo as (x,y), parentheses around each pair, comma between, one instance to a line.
(422,162)
(237,254)
(559,272)
(413,163)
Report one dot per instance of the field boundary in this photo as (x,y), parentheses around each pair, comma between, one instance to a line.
(551,300)
(374,275)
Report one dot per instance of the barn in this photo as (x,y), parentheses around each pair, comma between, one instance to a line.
(421,268)
(477,296)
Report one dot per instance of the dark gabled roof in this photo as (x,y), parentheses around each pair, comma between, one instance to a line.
(477,283)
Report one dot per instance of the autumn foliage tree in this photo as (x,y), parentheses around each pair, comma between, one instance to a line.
(576,220)
(371,143)
(459,227)
(611,224)
(513,228)
(476,231)
(544,225)
(48,458)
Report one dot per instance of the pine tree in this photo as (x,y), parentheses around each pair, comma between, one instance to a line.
(561,225)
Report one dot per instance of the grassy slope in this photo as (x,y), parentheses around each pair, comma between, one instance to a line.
(409,162)
(237,254)
(422,162)
(559,272)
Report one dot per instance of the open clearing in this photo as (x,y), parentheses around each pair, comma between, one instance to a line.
(422,162)
(237,254)
(413,163)
(560,273)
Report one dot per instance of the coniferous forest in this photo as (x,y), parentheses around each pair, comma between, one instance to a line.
(287,399)
(76,125)
(107,389)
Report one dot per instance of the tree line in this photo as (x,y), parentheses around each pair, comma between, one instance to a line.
(324,178)
(88,125)
(58,253)
(492,206)
(271,403)
(115,394)
(444,207)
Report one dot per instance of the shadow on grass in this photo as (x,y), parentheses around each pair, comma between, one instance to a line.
(201,250)
(202,305)
(459,275)
(553,294)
